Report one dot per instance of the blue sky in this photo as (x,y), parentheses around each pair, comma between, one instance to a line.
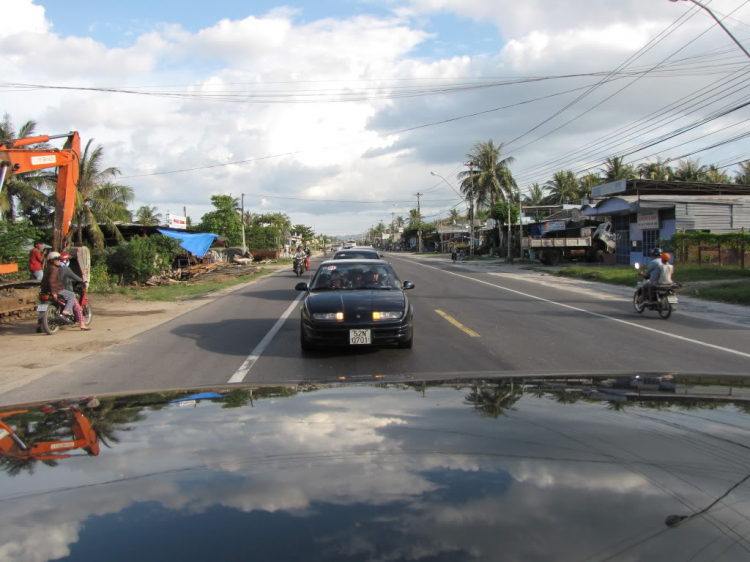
(118,24)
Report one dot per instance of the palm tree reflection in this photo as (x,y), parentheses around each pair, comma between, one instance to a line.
(493,399)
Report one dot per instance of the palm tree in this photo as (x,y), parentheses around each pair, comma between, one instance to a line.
(588,182)
(399,220)
(415,218)
(247,218)
(488,178)
(24,189)
(743,176)
(690,170)
(454,216)
(563,186)
(189,222)
(100,200)
(715,175)
(616,169)
(482,215)
(656,170)
(148,216)
(536,195)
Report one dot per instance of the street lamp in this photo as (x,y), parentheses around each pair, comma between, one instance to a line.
(470,204)
(717,21)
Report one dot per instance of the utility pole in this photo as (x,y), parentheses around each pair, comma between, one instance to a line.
(720,22)
(393,228)
(520,227)
(242,219)
(419,225)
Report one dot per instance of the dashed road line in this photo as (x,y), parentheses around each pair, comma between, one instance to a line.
(458,324)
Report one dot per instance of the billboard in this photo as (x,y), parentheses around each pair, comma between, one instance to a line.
(609,188)
(648,220)
(174,221)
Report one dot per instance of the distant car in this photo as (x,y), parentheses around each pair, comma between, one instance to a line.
(357,254)
(357,302)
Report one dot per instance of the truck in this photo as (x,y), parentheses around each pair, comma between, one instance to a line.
(583,243)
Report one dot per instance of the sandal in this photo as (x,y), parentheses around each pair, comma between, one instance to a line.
(85,329)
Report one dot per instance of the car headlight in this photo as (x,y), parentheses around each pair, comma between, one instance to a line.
(390,315)
(332,316)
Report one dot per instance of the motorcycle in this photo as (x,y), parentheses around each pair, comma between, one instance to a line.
(51,318)
(666,298)
(299,266)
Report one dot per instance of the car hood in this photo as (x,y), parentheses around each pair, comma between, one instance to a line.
(351,302)
(501,469)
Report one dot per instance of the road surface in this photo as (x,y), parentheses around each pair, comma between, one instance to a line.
(465,322)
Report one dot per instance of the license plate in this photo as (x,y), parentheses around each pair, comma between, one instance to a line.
(360,337)
(672,299)
(41,307)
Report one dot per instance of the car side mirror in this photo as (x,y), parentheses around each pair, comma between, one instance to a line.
(300,287)
(408,285)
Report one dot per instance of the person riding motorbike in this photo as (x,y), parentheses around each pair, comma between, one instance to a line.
(67,277)
(667,271)
(653,273)
(299,256)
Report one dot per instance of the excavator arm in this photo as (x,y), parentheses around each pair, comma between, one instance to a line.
(14,159)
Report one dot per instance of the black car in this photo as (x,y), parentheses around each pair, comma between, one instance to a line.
(357,254)
(478,469)
(357,302)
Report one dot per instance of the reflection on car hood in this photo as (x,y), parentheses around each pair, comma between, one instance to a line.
(350,301)
(452,470)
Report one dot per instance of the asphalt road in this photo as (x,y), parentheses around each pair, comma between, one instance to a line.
(465,322)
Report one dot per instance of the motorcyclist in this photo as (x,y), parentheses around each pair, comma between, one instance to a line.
(653,273)
(67,277)
(667,270)
(299,256)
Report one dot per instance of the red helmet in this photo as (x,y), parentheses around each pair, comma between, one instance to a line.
(64,256)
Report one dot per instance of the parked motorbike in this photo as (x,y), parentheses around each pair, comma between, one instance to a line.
(51,318)
(666,298)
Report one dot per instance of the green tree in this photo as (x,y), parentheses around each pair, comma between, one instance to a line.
(658,169)
(100,200)
(499,212)
(454,216)
(715,175)
(25,190)
(415,218)
(587,182)
(690,170)
(400,221)
(148,216)
(742,177)
(615,169)
(225,220)
(563,187)
(15,237)
(306,232)
(536,195)
(189,222)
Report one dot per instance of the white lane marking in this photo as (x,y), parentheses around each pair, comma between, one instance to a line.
(675,336)
(241,373)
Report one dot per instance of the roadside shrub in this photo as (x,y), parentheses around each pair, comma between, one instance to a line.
(16,239)
(100,281)
(140,258)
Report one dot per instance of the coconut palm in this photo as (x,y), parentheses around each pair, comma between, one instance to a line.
(415,218)
(535,195)
(100,200)
(148,216)
(658,169)
(24,190)
(588,182)
(482,215)
(399,220)
(715,175)
(690,170)
(742,176)
(616,169)
(454,216)
(563,187)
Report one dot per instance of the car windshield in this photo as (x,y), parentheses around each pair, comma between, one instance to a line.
(355,276)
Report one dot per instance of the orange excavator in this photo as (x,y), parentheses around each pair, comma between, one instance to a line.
(84,438)
(14,159)
(17,299)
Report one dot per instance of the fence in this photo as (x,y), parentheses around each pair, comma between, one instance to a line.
(731,248)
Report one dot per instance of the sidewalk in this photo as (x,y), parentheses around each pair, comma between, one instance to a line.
(735,315)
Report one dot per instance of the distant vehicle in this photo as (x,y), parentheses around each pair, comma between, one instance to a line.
(357,254)
(585,243)
(357,302)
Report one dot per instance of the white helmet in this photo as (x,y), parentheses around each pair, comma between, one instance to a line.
(54,256)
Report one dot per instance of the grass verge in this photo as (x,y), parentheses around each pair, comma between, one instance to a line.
(626,275)
(731,293)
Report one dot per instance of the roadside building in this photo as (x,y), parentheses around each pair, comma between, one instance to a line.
(645,212)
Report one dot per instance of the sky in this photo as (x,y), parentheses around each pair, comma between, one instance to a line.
(337,112)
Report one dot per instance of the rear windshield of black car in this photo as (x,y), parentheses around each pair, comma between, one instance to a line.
(356,255)
(355,276)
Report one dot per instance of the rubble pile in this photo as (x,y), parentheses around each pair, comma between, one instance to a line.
(201,271)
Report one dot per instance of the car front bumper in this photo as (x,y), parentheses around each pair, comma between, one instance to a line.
(338,335)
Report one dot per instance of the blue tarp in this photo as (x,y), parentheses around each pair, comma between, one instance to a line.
(197,244)
(200,396)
